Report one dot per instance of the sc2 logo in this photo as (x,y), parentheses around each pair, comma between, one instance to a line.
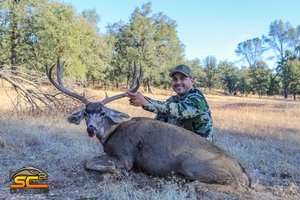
(27,180)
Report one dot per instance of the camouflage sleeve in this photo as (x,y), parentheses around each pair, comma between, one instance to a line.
(159,117)
(152,101)
(192,106)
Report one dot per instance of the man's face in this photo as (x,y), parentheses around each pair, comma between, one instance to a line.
(181,83)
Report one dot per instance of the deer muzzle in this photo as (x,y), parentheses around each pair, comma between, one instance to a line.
(92,130)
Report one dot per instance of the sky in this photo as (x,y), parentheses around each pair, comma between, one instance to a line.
(205,27)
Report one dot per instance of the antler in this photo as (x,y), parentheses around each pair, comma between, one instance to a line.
(135,81)
(60,85)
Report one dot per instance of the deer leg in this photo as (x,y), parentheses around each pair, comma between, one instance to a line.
(224,182)
(105,163)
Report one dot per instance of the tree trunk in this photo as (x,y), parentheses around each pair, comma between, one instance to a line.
(150,89)
(13,40)
(285,91)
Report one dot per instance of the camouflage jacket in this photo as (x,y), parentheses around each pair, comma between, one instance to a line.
(190,111)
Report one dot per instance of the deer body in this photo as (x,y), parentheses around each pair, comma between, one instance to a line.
(162,149)
(152,146)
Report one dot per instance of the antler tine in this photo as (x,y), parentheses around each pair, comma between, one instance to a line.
(60,86)
(133,69)
(141,74)
(135,81)
(59,71)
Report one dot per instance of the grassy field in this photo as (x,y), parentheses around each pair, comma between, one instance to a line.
(263,134)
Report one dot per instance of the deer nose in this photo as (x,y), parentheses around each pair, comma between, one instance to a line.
(91,129)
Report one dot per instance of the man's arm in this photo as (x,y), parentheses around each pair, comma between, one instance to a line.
(136,98)
(192,106)
(153,101)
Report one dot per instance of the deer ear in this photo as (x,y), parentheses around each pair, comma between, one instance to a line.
(76,117)
(116,116)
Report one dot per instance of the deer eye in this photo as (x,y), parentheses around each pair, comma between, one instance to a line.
(102,113)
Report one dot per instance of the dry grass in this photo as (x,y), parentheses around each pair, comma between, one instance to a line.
(263,134)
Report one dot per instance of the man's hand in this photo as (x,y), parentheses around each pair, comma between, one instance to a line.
(136,99)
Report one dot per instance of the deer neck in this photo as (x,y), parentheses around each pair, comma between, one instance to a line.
(106,130)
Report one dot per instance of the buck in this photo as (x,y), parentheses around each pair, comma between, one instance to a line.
(153,147)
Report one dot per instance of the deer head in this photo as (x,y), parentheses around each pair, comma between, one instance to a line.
(99,119)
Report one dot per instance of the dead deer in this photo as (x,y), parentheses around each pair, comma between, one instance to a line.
(153,147)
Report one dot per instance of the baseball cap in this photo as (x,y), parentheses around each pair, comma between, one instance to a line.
(184,69)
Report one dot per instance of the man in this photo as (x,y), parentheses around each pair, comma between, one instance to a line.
(188,108)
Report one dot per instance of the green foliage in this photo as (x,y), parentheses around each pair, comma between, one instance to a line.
(17,28)
(294,69)
(244,86)
(210,69)
(282,38)
(91,16)
(259,75)
(150,39)
(250,50)
(273,85)
(228,75)
(34,33)
(198,71)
